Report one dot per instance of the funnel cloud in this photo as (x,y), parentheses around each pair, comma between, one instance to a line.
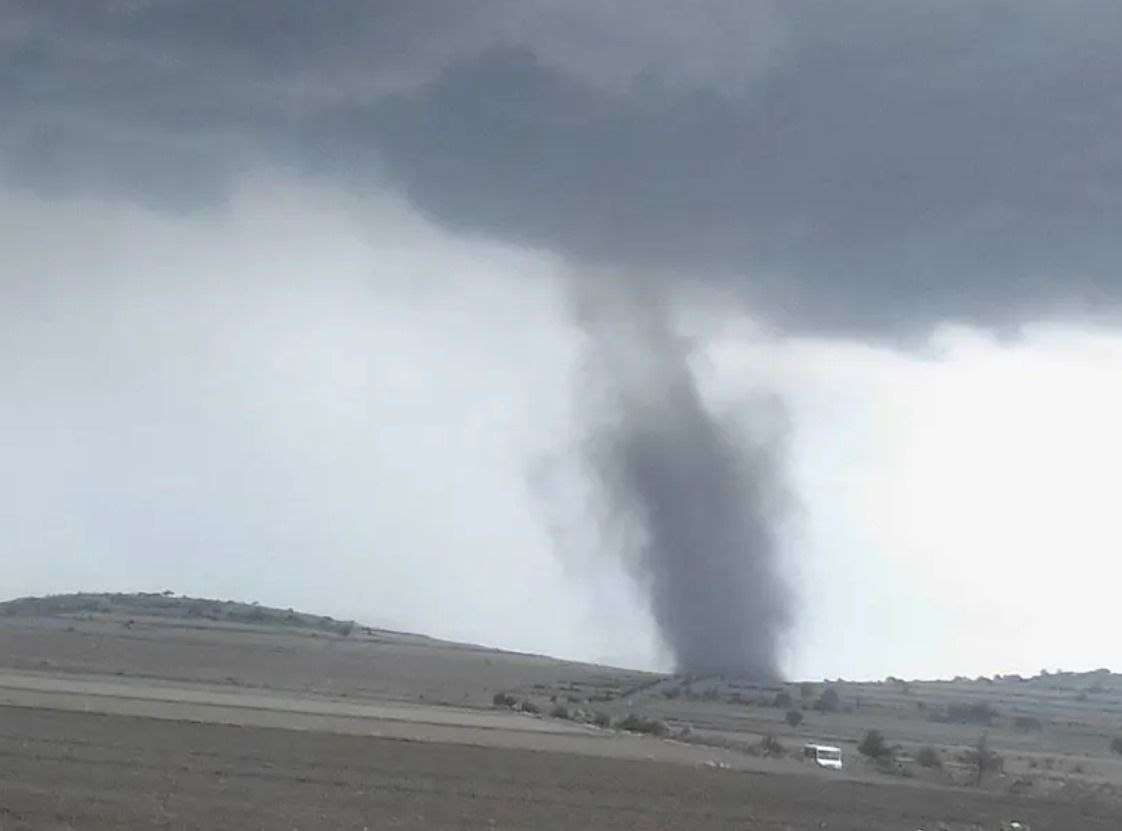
(702,498)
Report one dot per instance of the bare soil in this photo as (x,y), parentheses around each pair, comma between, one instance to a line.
(125,714)
(61,770)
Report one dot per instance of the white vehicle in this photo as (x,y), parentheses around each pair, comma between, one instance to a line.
(824,755)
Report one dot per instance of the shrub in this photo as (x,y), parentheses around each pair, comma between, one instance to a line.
(637,724)
(771,746)
(1116,745)
(983,759)
(873,745)
(980,712)
(601,719)
(929,757)
(794,718)
(530,707)
(782,700)
(502,699)
(560,711)
(806,689)
(828,702)
(1028,724)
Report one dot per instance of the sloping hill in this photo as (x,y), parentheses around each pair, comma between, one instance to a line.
(167,605)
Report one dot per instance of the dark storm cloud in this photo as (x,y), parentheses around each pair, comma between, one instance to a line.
(885,166)
(861,166)
(856,187)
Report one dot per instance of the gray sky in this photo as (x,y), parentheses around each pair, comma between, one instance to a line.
(289,311)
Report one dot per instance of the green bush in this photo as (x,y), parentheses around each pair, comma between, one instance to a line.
(1116,745)
(794,718)
(502,699)
(601,719)
(560,711)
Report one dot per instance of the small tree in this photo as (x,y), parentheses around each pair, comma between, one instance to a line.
(794,718)
(638,724)
(873,745)
(1116,745)
(782,699)
(806,690)
(829,701)
(983,758)
(929,757)
(771,746)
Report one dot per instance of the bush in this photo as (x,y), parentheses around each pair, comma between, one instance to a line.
(829,701)
(980,712)
(601,719)
(782,700)
(502,699)
(1116,745)
(873,745)
(637,724)
(794,718)
(983,759)
(771,746)
(806,690)
(1028,724)
(929,757)
(530,707)
(560,711)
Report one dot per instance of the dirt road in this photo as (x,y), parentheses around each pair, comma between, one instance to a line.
(413,722)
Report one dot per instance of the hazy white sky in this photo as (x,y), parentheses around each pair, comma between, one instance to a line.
(319,400)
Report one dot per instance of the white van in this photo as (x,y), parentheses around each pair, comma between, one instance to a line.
(824,755)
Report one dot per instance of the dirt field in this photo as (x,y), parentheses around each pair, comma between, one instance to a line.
(80,771)
(119,720)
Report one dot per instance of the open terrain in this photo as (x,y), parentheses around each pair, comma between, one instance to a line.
(153,711)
